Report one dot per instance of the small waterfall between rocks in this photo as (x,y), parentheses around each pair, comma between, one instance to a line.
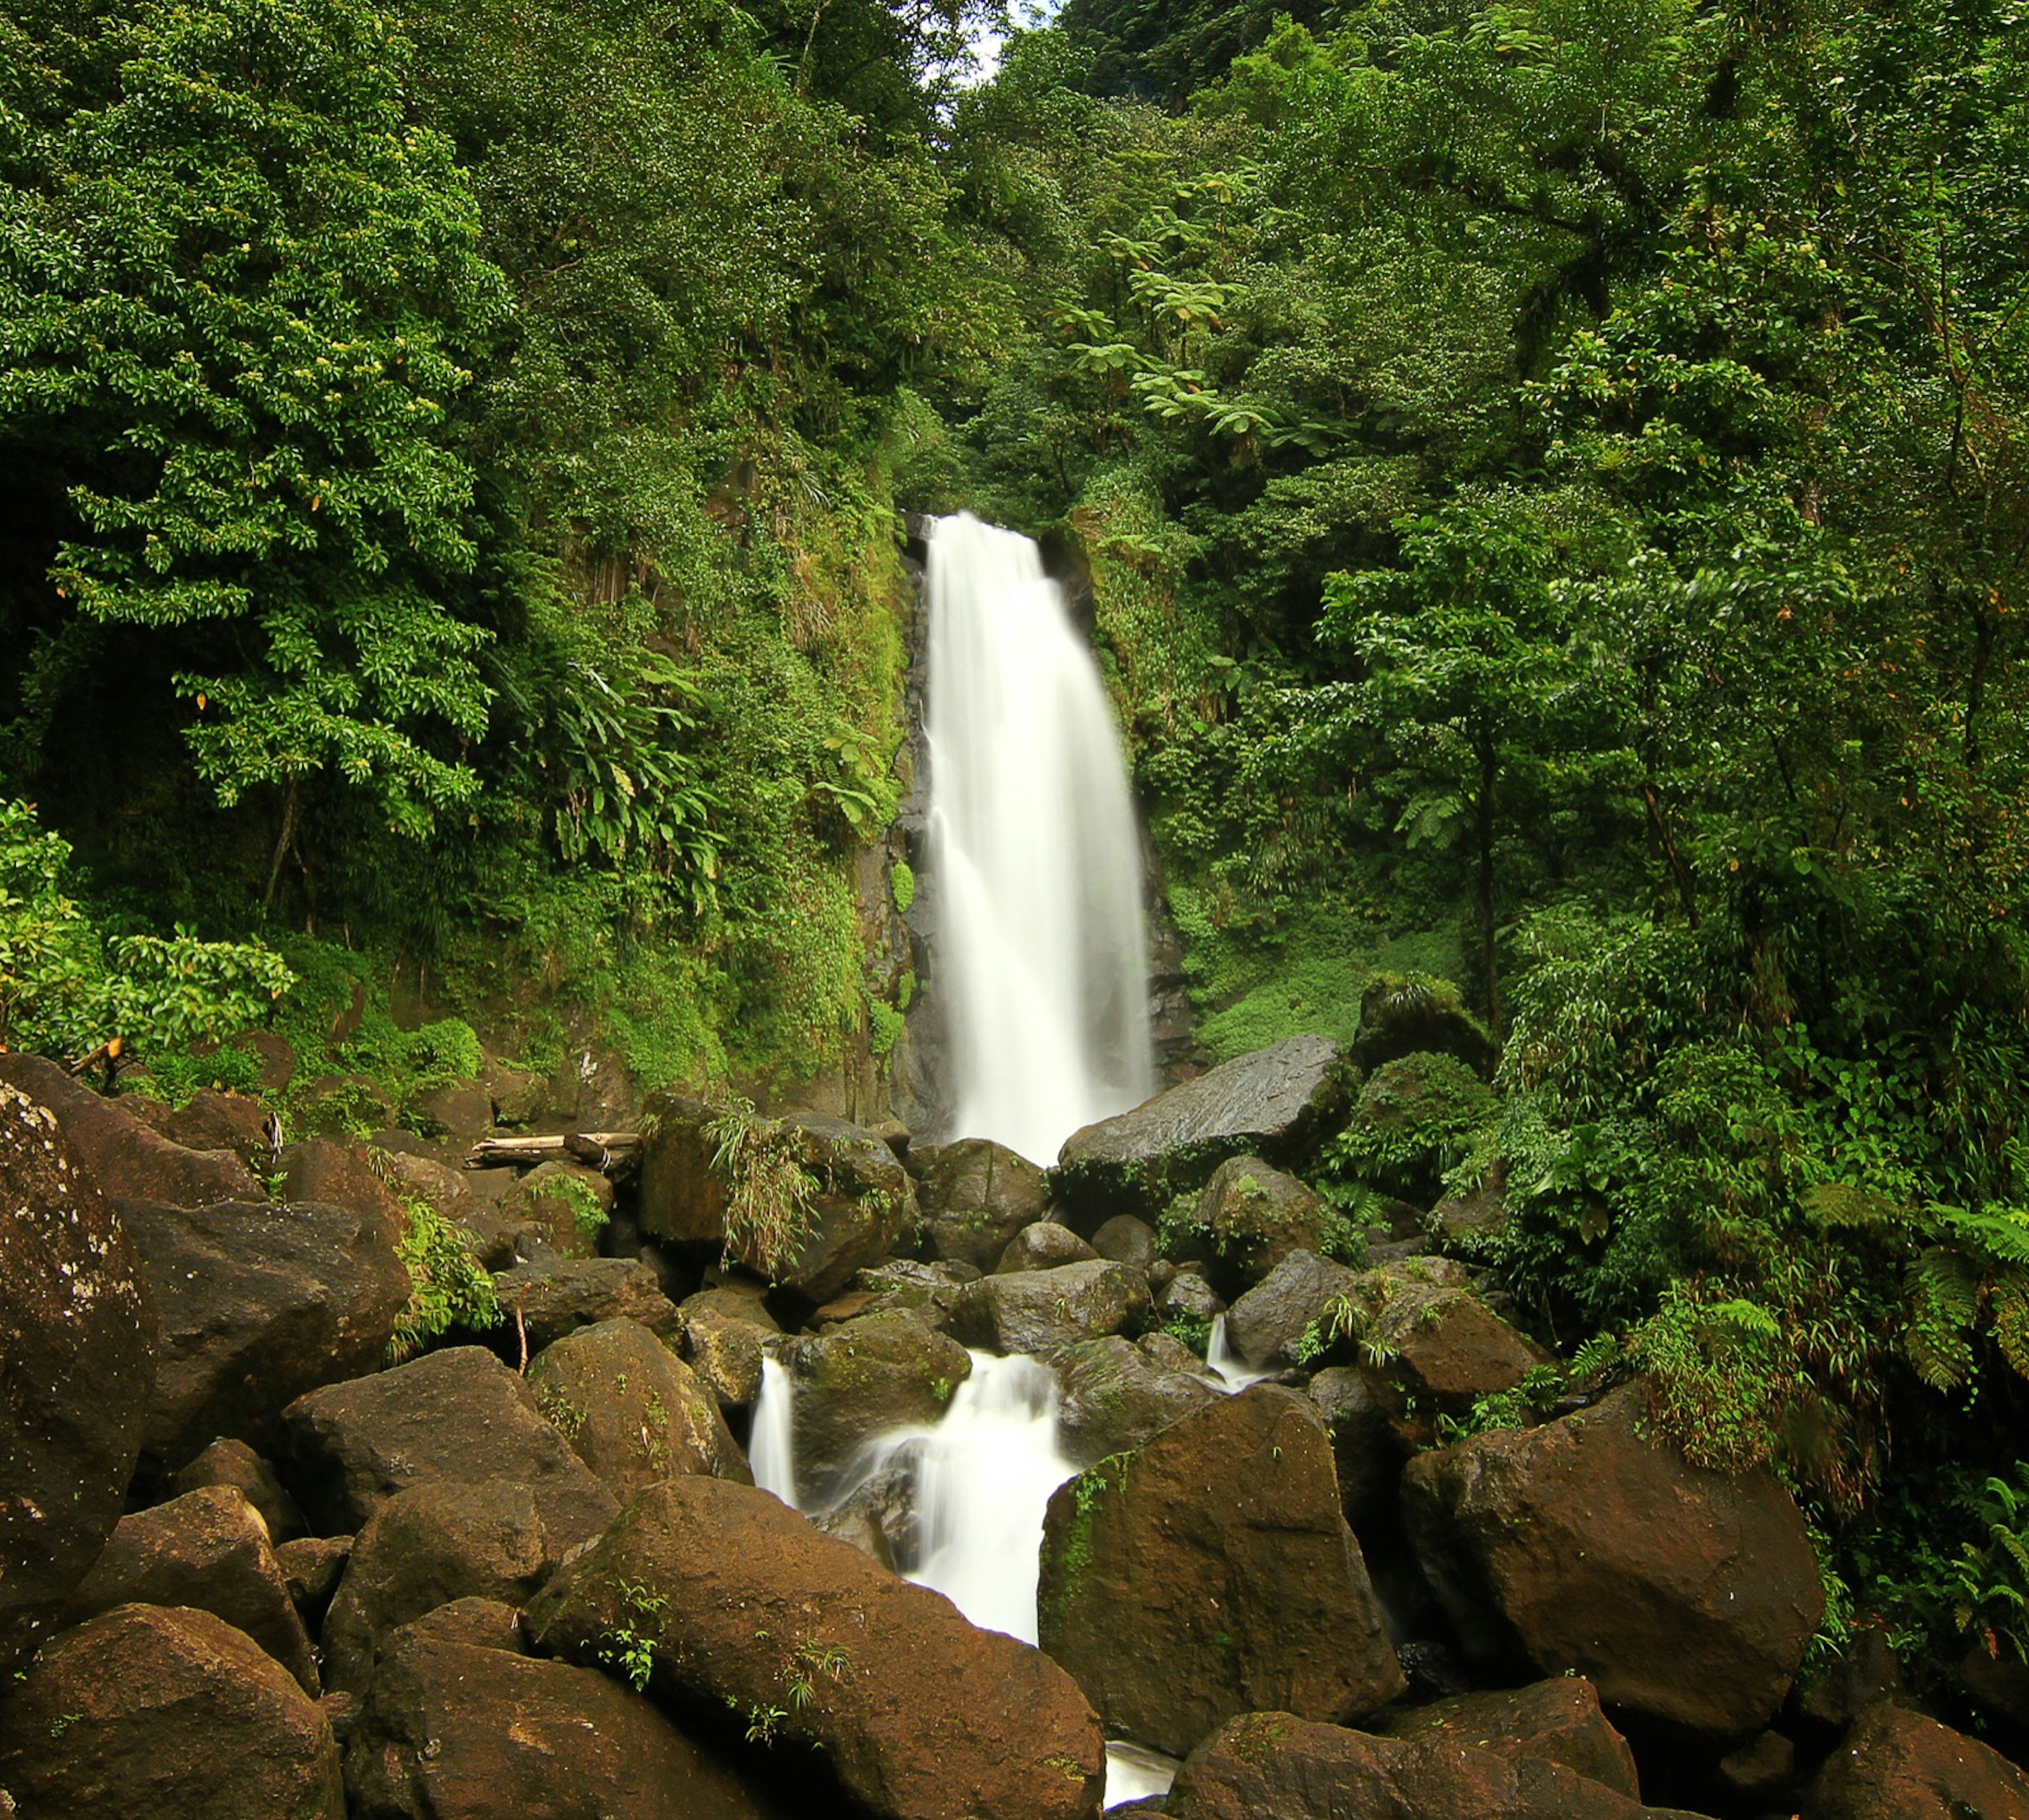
(1041,966)
(1042,975)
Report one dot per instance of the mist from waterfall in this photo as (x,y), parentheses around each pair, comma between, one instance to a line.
(1041,966)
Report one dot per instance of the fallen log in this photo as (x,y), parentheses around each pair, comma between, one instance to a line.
(601,1150)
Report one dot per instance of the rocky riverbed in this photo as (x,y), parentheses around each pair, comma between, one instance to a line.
(252,1569)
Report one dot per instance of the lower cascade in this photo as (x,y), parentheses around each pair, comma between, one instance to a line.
(1041,967)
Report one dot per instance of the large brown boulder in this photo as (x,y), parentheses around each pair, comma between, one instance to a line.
(155,1713)
(1586,1547)
(235,1464)
(550,1296)
(975,1196)
(127,1159)
(1037,1311)
(1445,1348)
(1366,1445)
(1559,1722)
(861,1200)
(1115,1397)
(1250,1216)
(1277,1766)
(724,1352)
(324,1169)
(1896,1764)
(259,1303)
(210,1550)
(564,1202)
(213,1120)
(459,1415)
(880,1373)
(1266,1325)
(1044,1245)
(77,1361)
(1211,1573)
(1276,1103)
(434,1542)
(735,1600)
(461,1725)
(633,1411)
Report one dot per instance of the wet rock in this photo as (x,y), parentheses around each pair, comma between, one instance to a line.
(1275,1103)
(455,1729)
(1468,1222)
(878,1516)
(235,1464)
(434,1542)
(1445,1348)
(1127,1240)
(259,1304)
(566,1204)
(1278,1767)
(1168,1353)
(1264,1325)
(208,1549)
(633,1411)
(212,1120)
(1037,1311)
(459,1415)
(902,1286)
(1556,1721)
(1042,1247)
(148,1713)
(312,1566)
(918,1713)
(1415,1014)
(1367,1450)
(682,1197)
(552,1296)
(1189,1293)
(874,1375)
(338,1175)
(1897,1764)
(1115,1397)
(77,1361)
(1211,1572)
(126,1159)
(975,1195)
(724,1354)
(1685,1596)
(1253,1216)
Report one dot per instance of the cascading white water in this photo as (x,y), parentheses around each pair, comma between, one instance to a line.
(1233,1371)
(1041,966)
(771,1447)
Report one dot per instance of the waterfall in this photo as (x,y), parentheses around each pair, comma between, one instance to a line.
(1233,1371)
(771,1450)
(1041,968)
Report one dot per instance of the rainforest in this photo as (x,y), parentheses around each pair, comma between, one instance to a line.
(1546,489)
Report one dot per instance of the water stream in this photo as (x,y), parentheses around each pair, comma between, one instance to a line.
(1041,966)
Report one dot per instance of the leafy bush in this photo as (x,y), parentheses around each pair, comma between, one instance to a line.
(448,1286)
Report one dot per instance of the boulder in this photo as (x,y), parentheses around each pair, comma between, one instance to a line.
(434,1542)
(1043,1246)
(460,1109)
(633,1411)
(1761,1773)
(902,1286)
(1116,1397)
(1038,1311)
(733,1600)
(874,1375)
(735,1298)
(724,1354)
(975,1195)
(459,1415)
(1127,1240)
(1253,1216)
(1264,1324)
(1277,1103)
(259,1303)
(1167,1353)
(551,1296)
(878,1516)
(1558,1721)
(343,1106)
(127,1159)
(1187,1293)
(1998,1684)
(1414,1014)
(235,1464)
(1445,1347)
(209,1550)
(213,1120)
(312,1566)
(1366,1449)
(861,1200)
(77,1361)
(565,1203)
(148,1713)
(461,1725)
(1279,1766)
(1831,1694)
(1897,1764)
(274,1053)
(1467,1224)
(1211,1572)
(339,1175)
(517,1094)
(1687,1596)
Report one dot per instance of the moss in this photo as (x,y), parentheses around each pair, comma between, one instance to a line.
(902,883)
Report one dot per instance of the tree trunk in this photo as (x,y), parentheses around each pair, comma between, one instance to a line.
(1484,814)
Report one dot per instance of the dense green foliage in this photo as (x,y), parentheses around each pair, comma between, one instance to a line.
(1554,482)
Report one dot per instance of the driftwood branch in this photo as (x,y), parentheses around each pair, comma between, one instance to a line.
(602,1149)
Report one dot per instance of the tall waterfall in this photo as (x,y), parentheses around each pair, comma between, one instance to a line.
(1041,967)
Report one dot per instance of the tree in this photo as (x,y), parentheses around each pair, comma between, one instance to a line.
(237,290)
